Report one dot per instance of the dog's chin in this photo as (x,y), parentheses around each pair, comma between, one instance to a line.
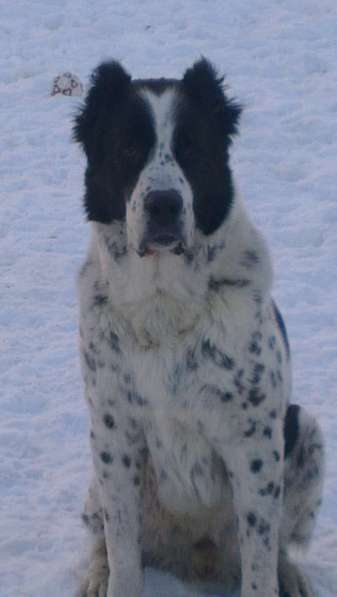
(162,244)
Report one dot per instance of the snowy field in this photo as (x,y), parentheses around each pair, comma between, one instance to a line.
(281,61)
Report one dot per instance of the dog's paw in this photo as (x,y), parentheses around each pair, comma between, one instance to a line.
(97,578)
(293,583)
(96,584)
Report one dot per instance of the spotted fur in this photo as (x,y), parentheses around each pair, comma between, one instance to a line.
(199,461)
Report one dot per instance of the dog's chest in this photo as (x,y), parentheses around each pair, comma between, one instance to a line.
(190,476)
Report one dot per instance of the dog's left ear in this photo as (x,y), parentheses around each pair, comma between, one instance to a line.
(203,85)
(110,84)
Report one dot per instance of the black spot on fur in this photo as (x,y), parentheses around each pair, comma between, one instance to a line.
(255,396)
(257,373)
(226,397)
(135,398)
(238,381)
(99,300)
(272,342)
(277,492)
(211,253)
(291,429)
(273,379)
(116,251)
(251,519)
(267,432)
(85,519)
(268,490)
(114,342)
(254,348)
(249,259)
(191,361)
(218,357)
(106,457)
(251,429)
(126,460)
(90,361)
(276,455)
(217,284)
(175,377)
(256,465)
(109,421)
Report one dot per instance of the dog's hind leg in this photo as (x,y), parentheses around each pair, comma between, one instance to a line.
(304,471)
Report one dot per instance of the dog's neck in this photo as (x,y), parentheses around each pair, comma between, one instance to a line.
(165,295)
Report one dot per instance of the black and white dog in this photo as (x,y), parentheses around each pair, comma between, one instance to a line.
(201,466)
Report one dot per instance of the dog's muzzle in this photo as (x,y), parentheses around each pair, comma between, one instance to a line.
(164,229)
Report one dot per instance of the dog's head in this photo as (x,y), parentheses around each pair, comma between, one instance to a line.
(157,152)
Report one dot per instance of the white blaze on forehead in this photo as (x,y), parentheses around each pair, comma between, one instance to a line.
(162,108)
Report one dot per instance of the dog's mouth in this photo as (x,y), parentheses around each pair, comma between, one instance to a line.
(162,242)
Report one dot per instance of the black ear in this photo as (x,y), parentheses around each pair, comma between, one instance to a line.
(203,85)
(110,84)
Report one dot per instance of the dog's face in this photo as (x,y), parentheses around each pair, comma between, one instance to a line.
(157,153)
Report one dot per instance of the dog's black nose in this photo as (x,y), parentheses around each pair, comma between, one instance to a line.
(163,207)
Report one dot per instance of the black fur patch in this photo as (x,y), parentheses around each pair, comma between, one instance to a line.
(116,130)
(256,465)
(206,121)
(106,457)
(109,421)
(291,429)
(216,285)
(218,357)
(282,328)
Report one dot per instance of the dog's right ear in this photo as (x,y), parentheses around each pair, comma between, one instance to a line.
(203,85)
(110,84)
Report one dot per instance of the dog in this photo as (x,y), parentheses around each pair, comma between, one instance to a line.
(202,466)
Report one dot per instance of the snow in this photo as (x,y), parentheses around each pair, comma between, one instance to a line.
(280,60)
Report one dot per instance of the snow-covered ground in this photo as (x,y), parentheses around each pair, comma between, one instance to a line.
(281,61)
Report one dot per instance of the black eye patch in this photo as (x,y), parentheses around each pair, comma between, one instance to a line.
(200,149)
(126,138)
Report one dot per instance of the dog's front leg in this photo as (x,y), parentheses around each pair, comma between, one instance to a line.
(255,467)
(118,452)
